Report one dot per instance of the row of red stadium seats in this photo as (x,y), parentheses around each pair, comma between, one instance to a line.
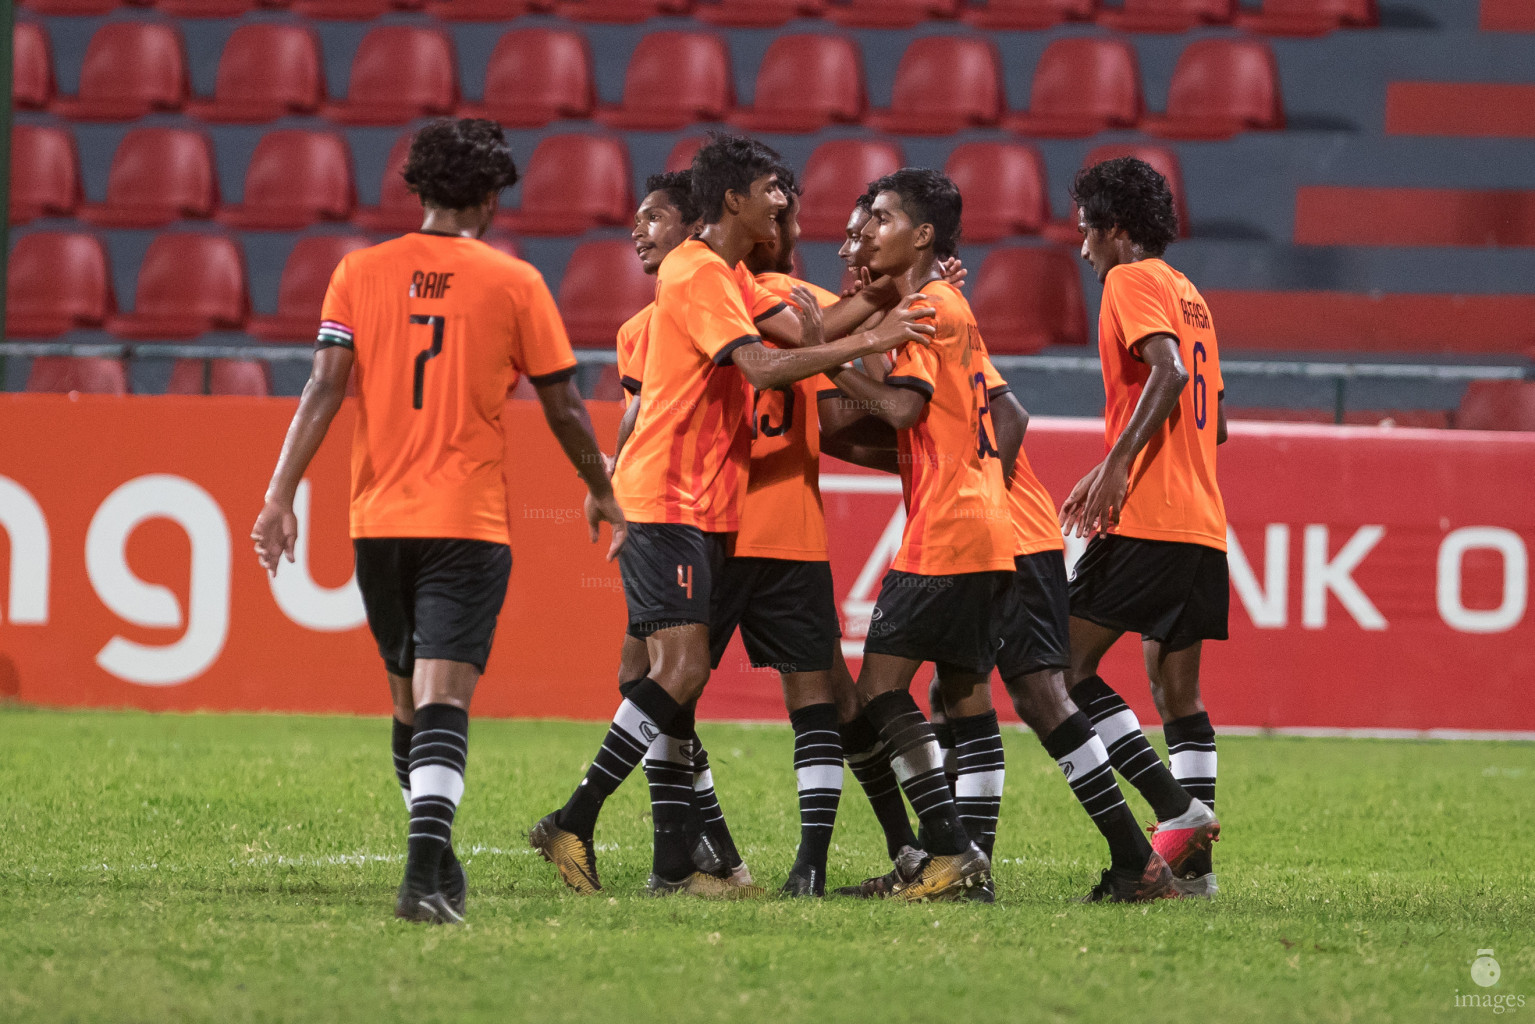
(570,184)
(190,283)
(943,84)
(1277,17)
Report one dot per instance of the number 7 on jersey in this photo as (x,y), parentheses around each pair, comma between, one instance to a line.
(422,357)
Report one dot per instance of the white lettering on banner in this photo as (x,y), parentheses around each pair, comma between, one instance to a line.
(323,609)
(160,496)
(1516,579)
(1267,607)
(1321,575)
(24,523)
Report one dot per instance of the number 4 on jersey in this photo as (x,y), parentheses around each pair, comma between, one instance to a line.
(419,381)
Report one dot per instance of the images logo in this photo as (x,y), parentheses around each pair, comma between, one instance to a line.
(1487,972)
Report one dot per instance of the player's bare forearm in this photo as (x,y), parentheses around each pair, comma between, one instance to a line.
(1011,420)
(1220,418)
(899,407)
(323,394)
(840,319)
(766,368)
(572,428)
(1158,398)
(884,460)
(626,426)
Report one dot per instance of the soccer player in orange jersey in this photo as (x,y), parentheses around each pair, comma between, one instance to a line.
(681,477)
(1156,564)
(956,556)
(438,326)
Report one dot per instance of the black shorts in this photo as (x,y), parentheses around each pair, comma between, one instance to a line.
(1032,617)
(944,619)
(1172,592)
(669,573)
(430,597)
(787,612)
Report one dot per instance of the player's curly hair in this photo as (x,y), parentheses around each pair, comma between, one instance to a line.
(728,163)
(928,197)
(455,164)
(1128,193)
(678,186)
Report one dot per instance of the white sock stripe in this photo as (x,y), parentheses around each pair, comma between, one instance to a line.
(1084,760)
(1117,726)
(821,732)
(925,757)
(819,776)
(405,792)
(1193,764)
(634,722)
(436,780)
(979,784)
(703,782)
(1192,745)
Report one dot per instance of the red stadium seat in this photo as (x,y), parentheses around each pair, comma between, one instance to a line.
(56,281)
(206,8)
(805,83)
(603,286)
(574,182)
(1164,160)
(267,71)
(836,174)
(537,75)
(45,173)
(398,208)
(158,175)
(188,284)
(1497,405)
(681,156)
(621,11)
(71,8)
(890,13)
(131,68)
(758,13)
(400,73)
(302,290)
(1082,86)
(1168,15)
(1029,14)
(942,85)
(32,85)
(220,377)
(1003,186)
(1221,87)
(295,178)
(1310,17)
(352,10)
(1026,299)
(484,10)
(674,79)
(87,375)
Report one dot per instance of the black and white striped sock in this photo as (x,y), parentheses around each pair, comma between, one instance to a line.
(707,803)
(641,717)
(818,776)
(438,751)
(979,773)
(1085,763)
(669,770)
(1191,748)
(399,742)
(870,762)
(918,765)
(1129,751)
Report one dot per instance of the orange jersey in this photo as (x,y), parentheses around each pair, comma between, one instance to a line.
(1173,494)
(686,460)
(441,326)
(957,516)
(1035,524)
(631,356)
(782,516)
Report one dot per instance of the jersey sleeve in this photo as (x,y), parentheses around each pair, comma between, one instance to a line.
(714,313)
(1137,307)
(631,351)
(996,384)
(540,347)
(766,304)
(916,369)
(336,312)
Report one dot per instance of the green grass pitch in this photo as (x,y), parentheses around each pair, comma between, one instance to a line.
(242,868)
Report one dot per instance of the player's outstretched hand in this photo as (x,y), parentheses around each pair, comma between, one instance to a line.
(275,534)
(1094,505)
(606,510)
(900,324)
(881,291)
(812,330)
(953,271)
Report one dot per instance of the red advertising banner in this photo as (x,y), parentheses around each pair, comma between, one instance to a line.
(1380,578)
